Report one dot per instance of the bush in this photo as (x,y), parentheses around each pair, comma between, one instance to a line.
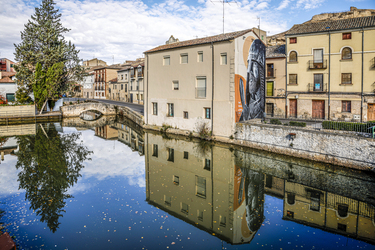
(348,126)
(297,124)
(275,121)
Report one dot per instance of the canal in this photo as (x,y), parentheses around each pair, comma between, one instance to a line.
(109,184)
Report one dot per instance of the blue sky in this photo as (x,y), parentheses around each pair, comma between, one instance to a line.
(116,31)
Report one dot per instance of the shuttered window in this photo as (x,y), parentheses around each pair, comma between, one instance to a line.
(346,78)
(346,54)
(346,106)
(200,186)
(201,87)
(269,88)
(292,78)
(318,55)
(184,58)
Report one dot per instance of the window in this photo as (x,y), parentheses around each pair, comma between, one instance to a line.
(184,208)
(126,88)
(175,85)
(293,79)
(346,106)
(270,70)
(293,56)
(346,53)
(155,108)
(155,150)
(176,180)
(269,181)
(341,227)
(186,155)
(122,77)
(318,82)
(291,198)
(170,110)
(290,214)
(186,115)
(223,59)
(126,76)
(269,88)
(200,186)
(166,60)
(184,58)
(207,113)
(346,36)
(200,215)
(207,164)
(342,210)
(315,201)
(167,200)
(201,87)
(170,154)
(223,221)
(122,86)
(293,40)
(346,78)
(318,56)
(200,56)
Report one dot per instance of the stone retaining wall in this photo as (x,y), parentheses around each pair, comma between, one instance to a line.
(330,147)
(19,110)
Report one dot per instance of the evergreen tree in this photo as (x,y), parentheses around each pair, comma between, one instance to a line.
(43,42)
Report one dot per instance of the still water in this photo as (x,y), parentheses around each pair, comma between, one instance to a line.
(115,186)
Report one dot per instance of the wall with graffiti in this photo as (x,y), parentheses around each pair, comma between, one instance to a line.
(250,80)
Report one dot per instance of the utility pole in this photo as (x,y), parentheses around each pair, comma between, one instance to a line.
(224,2)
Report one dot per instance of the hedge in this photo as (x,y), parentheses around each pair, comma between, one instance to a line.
(348,126)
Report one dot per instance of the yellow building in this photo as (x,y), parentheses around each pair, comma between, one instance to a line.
(330,70)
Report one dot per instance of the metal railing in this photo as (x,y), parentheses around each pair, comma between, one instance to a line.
(317,87)
(354,126)
(317,65)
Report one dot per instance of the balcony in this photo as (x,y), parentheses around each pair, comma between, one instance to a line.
(317,87)
(317,65)
(270,74)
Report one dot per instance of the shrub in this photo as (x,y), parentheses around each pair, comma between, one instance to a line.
(348,126)
(275,121)
(297,124)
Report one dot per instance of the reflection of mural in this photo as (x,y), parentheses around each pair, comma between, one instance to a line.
(253,94)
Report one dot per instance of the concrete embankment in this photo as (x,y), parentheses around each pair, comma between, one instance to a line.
(333,147)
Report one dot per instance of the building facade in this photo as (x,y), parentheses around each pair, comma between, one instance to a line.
(136,84)
(102,77)
(275,81)
(330,70)
(88,85)
(196,84)
(8,86)
(123,77)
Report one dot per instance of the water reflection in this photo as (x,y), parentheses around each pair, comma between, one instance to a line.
(222,190)
(50,163)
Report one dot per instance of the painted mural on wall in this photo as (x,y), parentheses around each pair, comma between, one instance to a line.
(252,92)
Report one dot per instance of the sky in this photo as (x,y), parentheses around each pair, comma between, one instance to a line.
(116,30)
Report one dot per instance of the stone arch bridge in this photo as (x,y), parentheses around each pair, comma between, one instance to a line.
(77,109)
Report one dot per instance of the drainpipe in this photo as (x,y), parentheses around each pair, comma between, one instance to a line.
(212,99)
(363,35)
(286,79)
(329,76)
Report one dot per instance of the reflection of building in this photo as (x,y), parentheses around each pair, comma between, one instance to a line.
(200,185)
(130,137)
(329,211)
(7,146)
(106,132)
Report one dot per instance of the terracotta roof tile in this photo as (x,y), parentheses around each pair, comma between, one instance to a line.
(217,38)
(6,73)
(114,80)
(333,25)
(6,79)
(275,51)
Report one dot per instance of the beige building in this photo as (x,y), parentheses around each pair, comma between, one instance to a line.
(275,81)
(195,83)
(123,78)
(330,69)
(136,81)
(88,64)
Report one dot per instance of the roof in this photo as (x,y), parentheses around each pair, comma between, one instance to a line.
(333,25)
(6,73)
(109,67)
(6,79)
(210,39)
(114,80)
(275,51)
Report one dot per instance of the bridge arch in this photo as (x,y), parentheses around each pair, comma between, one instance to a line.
(77,109)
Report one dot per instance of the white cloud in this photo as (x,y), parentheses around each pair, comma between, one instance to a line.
(125,29)
(309,4)
(283,4)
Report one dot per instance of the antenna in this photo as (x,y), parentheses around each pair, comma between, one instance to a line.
(113,59)
(224,2)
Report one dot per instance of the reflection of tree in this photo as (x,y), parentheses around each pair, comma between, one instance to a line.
(50,164)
